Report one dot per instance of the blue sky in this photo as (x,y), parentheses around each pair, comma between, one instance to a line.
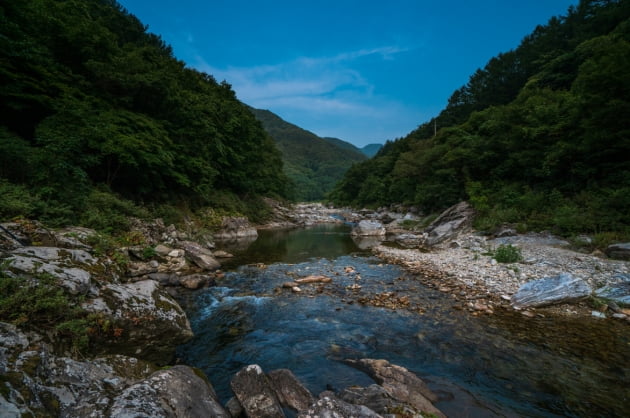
(362,71)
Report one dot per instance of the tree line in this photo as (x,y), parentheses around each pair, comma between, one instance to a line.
(539,137)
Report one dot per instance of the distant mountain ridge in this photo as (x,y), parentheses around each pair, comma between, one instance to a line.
(314,164)
(371,149)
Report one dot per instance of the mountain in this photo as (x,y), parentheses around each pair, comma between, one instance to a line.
(314,164)
(538,138)
(371,149)
(96,114)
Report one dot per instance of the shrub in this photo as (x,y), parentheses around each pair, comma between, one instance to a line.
(508,254)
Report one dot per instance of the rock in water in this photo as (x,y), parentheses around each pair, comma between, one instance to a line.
(369,228)
(176,392)
(290,390)
(329,406)
(550,290)
(400,384)
(255,394)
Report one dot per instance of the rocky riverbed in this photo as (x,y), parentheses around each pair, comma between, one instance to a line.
(127,292)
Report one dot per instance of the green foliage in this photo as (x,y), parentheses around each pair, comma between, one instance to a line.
(538,138)
(39,303)
(108,213)
(15,200)
(94,103)
(313,164)
(507,254)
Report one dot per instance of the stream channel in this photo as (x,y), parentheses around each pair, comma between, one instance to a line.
(495,365)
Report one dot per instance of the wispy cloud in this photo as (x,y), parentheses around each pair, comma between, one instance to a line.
(330,89)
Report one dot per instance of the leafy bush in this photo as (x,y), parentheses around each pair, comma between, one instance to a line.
(507,254)
(15,200)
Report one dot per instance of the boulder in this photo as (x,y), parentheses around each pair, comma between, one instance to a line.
(255,393)
(194,281)
(235,228)
(400,384)
(328,405)
(449,224)
(36,382)
(152,323)
(289,390)
(550,290)
(620,251)
(376,398)
(369,228)
(619,292)
(69,266)
(202,257)
(175,392)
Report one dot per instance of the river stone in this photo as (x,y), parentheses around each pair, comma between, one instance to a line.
(550,290)
(255,394)
(620,251)
(202,257)
(329,406)
(369,228)
(290,391)
(235,228)
(619,292)
(175,392)
(374,397)
(152,322)
(399,383)
(449,224)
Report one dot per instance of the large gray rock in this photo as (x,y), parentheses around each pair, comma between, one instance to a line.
(376,398)
(255,393)
(290,391)
(36,382)
(202,257)
(620,251)
(369,228)
(449,224)
(175,392)
(550,290)
(235,228)
(399,383)
(69,266)
(152,323)
(619,292)
(329,406)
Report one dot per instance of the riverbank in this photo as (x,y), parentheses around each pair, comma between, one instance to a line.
(470,274)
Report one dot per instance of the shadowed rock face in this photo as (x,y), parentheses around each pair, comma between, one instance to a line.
(449,224)
(550,290)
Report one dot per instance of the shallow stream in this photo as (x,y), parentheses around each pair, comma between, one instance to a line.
(498,365)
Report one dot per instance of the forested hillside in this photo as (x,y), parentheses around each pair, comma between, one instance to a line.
(540,137)
(313,164)
(96,114)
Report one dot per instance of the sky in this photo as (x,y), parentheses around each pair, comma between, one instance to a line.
(363,71)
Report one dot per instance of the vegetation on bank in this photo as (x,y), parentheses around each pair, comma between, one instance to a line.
(538,138)
(98,121)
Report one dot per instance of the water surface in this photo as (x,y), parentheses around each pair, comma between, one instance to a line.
(499,365)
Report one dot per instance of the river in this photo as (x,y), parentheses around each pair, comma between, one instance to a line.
(497,365)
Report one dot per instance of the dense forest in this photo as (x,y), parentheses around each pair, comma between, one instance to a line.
(98,119)
(313,164)
(539,138)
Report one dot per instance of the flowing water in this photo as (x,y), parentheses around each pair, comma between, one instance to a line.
(499,365)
